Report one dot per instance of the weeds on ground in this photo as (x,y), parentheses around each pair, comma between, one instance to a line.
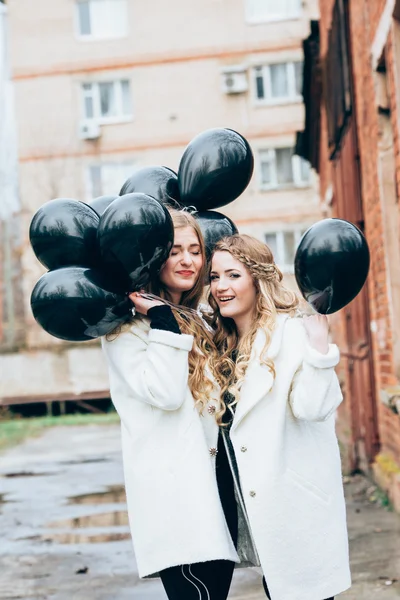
(378,496)
(13,431)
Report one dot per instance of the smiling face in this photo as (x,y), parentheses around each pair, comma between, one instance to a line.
(182,269)
(232,287)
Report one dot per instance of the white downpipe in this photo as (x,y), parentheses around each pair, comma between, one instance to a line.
(9,202)
(382,32)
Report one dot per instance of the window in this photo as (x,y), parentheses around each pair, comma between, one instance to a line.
(283,245)
(280,82)
(107,101)
(258,11)
(107,179)
(337,79)
(279,167)
(99,19)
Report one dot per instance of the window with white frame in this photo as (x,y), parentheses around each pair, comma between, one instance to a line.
(99,19)
(278,82)
(107,101)
(259,11)
(280,167)
(283,245)
(106,179)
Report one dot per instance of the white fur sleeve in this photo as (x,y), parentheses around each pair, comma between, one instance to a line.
(152,369)
(315,392)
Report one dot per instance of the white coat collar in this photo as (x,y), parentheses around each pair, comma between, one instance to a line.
(259,380)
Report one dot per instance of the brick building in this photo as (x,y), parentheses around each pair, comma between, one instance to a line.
(351,91)
(106,86)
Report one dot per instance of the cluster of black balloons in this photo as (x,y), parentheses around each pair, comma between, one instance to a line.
(94,260)
(97,253)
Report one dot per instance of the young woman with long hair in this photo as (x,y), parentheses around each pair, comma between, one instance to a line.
(276,413)
(157,366)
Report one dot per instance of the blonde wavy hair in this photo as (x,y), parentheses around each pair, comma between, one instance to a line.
(187,317)
(191,298)
(272,297)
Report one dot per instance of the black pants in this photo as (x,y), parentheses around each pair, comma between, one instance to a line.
(209,580)
(267,592)
(201,581)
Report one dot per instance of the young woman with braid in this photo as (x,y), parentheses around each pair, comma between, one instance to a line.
(157,367)
(276,412)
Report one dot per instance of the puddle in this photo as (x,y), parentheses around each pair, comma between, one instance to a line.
(30,538)
(3,500)
(83,538)
(79,530)
(77,537)
(111,519)
(27,474)
(115,494)
(85,461)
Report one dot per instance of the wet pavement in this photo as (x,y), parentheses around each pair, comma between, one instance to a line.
(65,536)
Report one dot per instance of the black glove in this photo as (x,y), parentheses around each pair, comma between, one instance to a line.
(163,318)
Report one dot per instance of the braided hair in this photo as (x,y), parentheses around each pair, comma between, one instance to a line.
(267,271)
(272,297)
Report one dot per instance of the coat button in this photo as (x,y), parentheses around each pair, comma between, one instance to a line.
(252,493)
(243,449)
(211,409)
(213,451)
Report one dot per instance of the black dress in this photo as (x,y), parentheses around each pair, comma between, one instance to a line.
(230,492)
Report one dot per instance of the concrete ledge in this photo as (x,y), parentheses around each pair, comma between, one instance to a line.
(71,373)
(93,395)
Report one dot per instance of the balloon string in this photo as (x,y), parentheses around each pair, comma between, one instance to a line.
(173,203)
(190,209)
(183,309)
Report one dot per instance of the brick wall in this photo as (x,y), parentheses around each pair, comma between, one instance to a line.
(393,89)
(391,423)
(367,130)
(364,17)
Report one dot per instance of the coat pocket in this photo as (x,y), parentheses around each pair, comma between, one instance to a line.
(307,486)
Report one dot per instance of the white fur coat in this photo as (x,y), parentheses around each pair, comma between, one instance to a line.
(174,509)
(287,453)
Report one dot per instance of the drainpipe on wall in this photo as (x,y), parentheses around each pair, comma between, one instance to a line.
(9,202)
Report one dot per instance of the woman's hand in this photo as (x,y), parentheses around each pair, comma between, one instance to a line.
(317,330)
(142,305)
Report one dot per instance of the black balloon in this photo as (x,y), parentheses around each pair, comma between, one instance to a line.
(215,168)
(74,304)
(135,237)
(101,203)
(214,226)
(331,264)
(159,182)
(63,233)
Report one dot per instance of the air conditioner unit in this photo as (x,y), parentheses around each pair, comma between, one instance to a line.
(89,130)
(234,80)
